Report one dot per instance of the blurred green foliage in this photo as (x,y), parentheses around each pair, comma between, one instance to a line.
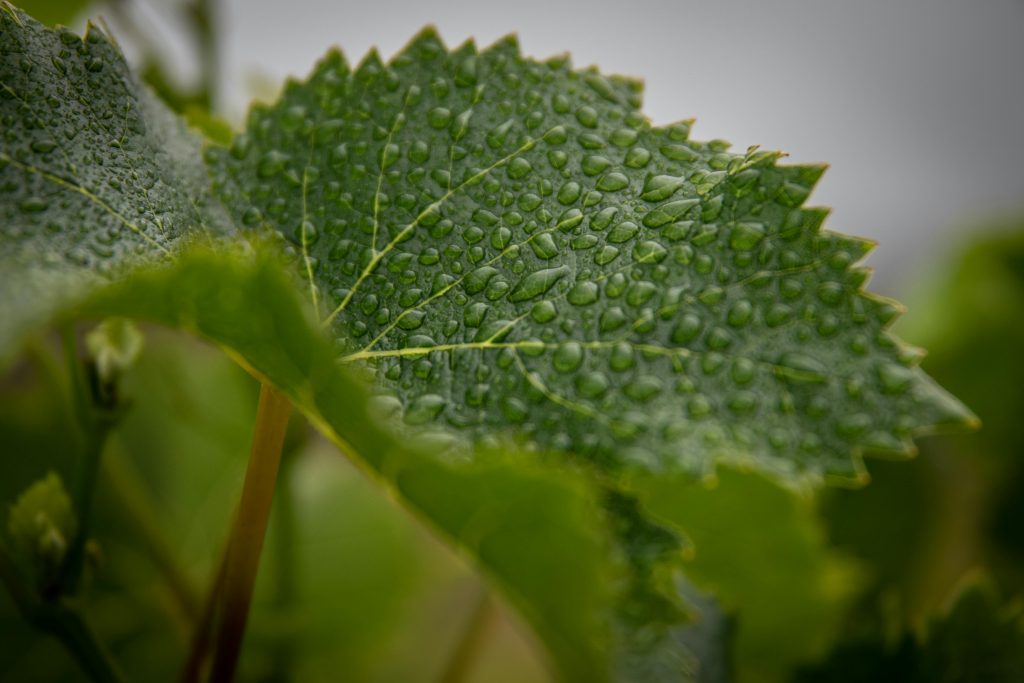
(856,585)
(921,526)
(354,587)
(54,12)
(761,550)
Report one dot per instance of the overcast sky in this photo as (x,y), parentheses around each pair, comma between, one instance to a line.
(917,105)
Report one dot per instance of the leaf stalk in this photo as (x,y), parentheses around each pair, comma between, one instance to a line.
(249,530)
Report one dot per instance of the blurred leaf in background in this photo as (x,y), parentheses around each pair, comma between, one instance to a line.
(976,639)
(760,548)
(54,12)
(353,588)
(921,526)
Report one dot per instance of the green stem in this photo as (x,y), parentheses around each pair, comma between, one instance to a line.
(473,637)
(250,530)
(68,626)
(285,574)
(202,637)
(63,623)
(95,423)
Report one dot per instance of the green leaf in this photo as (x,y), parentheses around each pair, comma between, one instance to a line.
(40,525)
(513,250)
(535,530)
(969,315)
(572,618)
(978,639)
(787,610)
(95,173)
(511,246)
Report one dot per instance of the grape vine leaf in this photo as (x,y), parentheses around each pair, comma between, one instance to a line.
(536,529)
(511,245)
(68,227)
(95,174)
(978,638)
(542,191)
(787,611)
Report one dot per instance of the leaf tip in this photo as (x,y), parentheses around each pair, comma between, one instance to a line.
(371,61)
(427,40)
(466,48)
(509,41)
(562,60)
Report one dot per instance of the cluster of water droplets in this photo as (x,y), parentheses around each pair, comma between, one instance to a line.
(88,179)
(510,243)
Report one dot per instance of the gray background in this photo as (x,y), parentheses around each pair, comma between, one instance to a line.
(916,104)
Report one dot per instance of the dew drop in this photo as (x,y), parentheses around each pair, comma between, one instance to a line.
(687,329)
(272,163)
(543,311)
(613,182)
(594,164)
(544,246)
(514,409)
(251,216)
(853,425)
(743,402)
(587,116)
(648,252)
(592,384)
(583,294)
(638,157)
(668,213)
(569,193)
(43,146)
(568,357)
(474,314)
(894,378)
(718,339)
(518,168)
(743,371)
(439,117)
(476,280)
(623,232)
(501,237)
(778,314)
(307,233)
(557,158)
(624,137)
(612,319)
(746,236)
(799,367)
(830,293)
(607,254)
(698,406)
(643,389)
(640,292)
(423,409)
(33,205)
(537,283)
(740,313)
(582,242)
(660,187)
(622,357)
